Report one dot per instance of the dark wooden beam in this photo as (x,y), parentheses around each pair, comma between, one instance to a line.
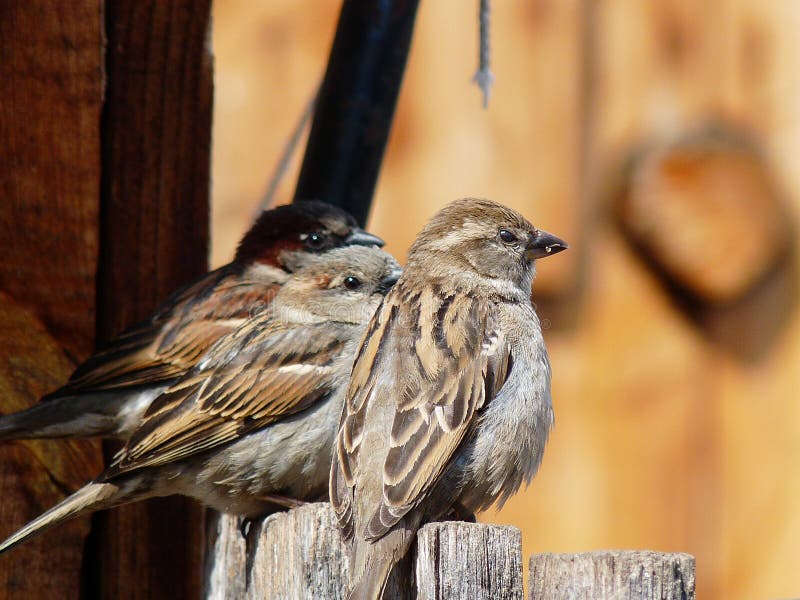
(356,104)
(154,225)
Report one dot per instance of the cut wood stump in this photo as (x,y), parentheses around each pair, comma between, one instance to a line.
(612,575)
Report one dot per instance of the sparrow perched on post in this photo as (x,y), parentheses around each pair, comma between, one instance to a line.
(108,394)
(448,405)
(251,427)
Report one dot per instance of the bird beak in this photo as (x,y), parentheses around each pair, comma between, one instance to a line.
(359,237)
(388,282)
(544,244)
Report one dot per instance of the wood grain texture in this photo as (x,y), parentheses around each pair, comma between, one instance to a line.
(36,474)
(156,156)
(612,575)
(225,561)
(154,235)
(52,74)
(468,560)
(294,554)
(299,554)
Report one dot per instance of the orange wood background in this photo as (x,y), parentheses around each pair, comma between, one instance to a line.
(665,438)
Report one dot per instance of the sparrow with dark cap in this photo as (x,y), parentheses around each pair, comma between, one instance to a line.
(109,393)
(251,427)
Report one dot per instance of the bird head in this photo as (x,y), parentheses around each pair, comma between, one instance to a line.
(283,236)
(344,285)
(480,237)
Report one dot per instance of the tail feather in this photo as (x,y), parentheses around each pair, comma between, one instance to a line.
(91,497)
(373,563)
(105,414)
(71,416)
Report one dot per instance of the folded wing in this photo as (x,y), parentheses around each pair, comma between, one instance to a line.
(454,361)
(261,373)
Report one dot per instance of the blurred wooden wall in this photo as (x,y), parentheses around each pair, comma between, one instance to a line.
(670,434)
(105,129)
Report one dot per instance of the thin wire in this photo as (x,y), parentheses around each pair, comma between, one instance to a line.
(484,77)
(289,150)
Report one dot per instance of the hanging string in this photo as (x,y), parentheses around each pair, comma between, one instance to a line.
(286,156)
(484,77)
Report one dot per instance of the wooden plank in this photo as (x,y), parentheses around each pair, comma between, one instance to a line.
(655,73)
(469,560)
(35,475)
(298,554)
(154,236)
(156,156)
(49,180)
(50,162)
(225,561)
(609,575)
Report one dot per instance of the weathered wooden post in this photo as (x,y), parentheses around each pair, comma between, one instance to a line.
(612,575)
(295,554)
(298,554)
(468,560)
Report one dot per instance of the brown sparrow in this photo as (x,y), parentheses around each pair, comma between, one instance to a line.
(108,394)
(448,405)
(251,427)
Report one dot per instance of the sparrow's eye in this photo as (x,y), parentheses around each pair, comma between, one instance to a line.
(506,236)
(315,241)
(352,283)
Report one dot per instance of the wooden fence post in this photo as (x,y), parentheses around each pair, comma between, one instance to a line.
(469,560)
(298,554)
(294,554)
(612,574)
(225,560)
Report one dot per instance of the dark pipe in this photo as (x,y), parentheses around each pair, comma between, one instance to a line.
(356,104)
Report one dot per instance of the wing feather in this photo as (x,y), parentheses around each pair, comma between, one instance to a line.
(167,346)
(457,363)
(245,383)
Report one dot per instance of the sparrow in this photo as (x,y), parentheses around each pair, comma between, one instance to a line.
(250,428)
(109,393)
(448,405)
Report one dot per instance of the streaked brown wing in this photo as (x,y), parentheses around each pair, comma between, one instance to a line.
(249,379)
(362,381)
(168,346)
(457,358)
